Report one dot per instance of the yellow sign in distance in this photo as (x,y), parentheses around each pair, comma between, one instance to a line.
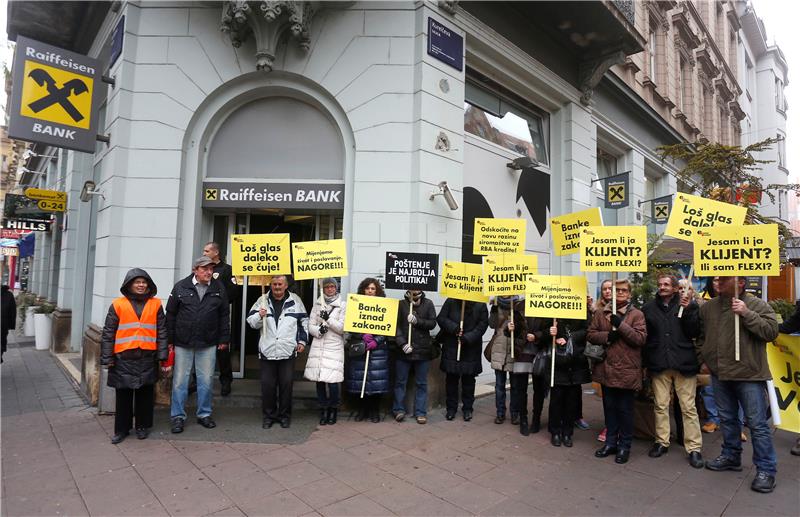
(319,259)
(51,206)
(749,250)
(72,89)
(371,315)
(504,275)
(264,254)
(555,296)
(614,248)
(463,281)
(691,213)
(783,357)
(46,195)
(498,236)
(566,229)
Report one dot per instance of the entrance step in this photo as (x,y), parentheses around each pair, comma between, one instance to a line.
(246,393)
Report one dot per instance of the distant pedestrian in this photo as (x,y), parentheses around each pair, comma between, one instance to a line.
(284,320)
(198,324)
(325,364)
(224,275)
(8,316)
(134,339)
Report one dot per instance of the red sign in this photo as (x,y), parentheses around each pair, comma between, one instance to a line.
(7,233)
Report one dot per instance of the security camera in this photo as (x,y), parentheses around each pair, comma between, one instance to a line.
(90,189)
(444,191)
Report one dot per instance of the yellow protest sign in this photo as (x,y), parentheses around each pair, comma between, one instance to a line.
(784,363)
(504,275)
(749,250)
(555,296)
(498,236)
(261,254)
(56,95)
(463,281)
(566,229)
(319,259)
(691,213)
(614,248)
(371,315)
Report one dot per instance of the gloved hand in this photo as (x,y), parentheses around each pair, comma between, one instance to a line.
(613,336)
(407,348)
(412,319)
(324,315)
(369,342)
(323,329)
(616,320)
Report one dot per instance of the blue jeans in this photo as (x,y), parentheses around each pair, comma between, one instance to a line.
(204,360)
(753,398)
(707,392)
(328,394)
(402,368)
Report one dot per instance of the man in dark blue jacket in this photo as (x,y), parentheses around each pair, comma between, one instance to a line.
(197,325)
(671,361)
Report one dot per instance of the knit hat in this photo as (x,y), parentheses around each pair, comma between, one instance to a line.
(330,280)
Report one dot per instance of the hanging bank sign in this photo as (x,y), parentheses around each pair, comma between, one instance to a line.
(222,194)
(55,96)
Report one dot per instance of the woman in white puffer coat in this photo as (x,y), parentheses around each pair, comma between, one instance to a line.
(325,363)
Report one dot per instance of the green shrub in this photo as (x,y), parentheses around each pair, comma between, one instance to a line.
(783,307)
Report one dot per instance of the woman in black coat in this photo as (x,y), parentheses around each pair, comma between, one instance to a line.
(132,355)
(417,313)
(468,366)
(8,318)
(572,370)
(378,372)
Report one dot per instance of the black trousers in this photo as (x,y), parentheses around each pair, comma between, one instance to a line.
(467,391)
(130,403)
(564,409)
(519,391)
(276,388)
(618,408)
(224,364)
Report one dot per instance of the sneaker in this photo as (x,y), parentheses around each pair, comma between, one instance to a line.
(400,416)
(795,450)
(117,438)
(177,425)
(582,424)
(602,436)
(709,427)
(422,419)
(763,483)
(724,463)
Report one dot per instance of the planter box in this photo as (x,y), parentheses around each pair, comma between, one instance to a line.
(28,329)
(44,330)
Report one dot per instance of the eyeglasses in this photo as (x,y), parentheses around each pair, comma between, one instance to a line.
(622,290)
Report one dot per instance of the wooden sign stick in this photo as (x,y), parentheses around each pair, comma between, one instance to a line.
(736,318)
(364,380)
(512,332)
(553,358)
(461,329)
(264,303)
(411,312)
(613,296)
(688,286)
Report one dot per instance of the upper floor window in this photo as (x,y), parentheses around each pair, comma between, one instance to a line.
(496,115)
(779,104)
(781,146)
(651,53)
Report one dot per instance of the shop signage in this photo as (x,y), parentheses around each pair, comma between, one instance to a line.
(617,188)
(9,251)
(30,225)
(220,194)
(445,44)
(418,271)
(48,200)
(6,233)
(660,209)
(55,96)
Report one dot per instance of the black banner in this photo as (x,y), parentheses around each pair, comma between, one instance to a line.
(418,271)
(660,209)
(617,190)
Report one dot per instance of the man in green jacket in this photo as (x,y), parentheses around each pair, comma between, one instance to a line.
(743,381)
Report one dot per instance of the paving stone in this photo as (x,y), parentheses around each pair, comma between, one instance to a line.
(437,507)
(275,459)
(358,505)
(324,492)
(248,488)
(434,479)
(396,495)
(204,454)
(471,496)
(233,511)
(170,465)
(466,466)
(226,472)
(512,508)
(189,493)
(283,503)
(373,452)
(102,494)
(314,447)
(297,474)
(53,479)
(62,502)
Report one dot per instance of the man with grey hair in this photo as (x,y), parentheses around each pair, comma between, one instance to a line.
(198,325)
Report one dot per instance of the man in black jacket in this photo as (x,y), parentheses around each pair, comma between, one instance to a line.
(224,275)
(671,361)
(8,319)
(198,325)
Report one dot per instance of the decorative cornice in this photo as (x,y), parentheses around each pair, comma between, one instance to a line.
(448,6)
(592,71)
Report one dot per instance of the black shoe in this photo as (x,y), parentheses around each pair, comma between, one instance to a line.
(323,416)
(605,451)
(142,433)
(332,414)
(724,463)
(499,419)
(177,425)
(555,440)
(117,438)
(514,418)
(622,456)
(267,423)
(536,425)
(207,422)
(567,441)
(450,415)
(360,414)
(225,389)
(696,460)
(657,450)
(763,483)
(285,423)
(375,416)
(467,415)
(523,427)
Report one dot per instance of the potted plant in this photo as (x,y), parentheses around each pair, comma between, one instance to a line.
(44,325)
(26,303)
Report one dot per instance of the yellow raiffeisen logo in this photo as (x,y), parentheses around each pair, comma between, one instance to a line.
(56,95)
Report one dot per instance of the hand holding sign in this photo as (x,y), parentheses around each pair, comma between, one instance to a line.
(260,254)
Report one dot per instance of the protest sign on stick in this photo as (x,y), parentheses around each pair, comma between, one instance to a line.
(783,357)
(319,259)
(504,275)
(687,288)
(260,254)
(613,248)
(412,271)
(566,229)
(692,213)
(371,315)
(463,281)
(499,236)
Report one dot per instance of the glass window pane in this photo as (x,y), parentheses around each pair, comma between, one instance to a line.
(521,135)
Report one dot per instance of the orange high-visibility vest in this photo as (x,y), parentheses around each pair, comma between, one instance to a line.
(132,331)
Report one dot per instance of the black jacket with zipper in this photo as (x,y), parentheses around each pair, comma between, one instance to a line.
(195,323)
(669,344)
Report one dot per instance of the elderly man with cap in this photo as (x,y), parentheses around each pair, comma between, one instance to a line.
(197,325)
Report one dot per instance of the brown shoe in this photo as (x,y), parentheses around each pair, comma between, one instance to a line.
(709,427)
(422,419)
(744,437)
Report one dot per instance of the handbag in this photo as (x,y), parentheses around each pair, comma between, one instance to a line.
(355,348)
(436,346)
(597,353)
(541,363)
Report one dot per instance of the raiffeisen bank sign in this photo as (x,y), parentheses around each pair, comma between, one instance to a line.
(273,195)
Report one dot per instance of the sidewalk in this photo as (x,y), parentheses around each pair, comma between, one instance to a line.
(57,460)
